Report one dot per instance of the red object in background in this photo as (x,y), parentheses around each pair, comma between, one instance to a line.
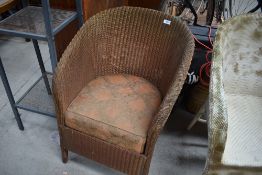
(91,7)
(63,4)
(204,72)
(153,4)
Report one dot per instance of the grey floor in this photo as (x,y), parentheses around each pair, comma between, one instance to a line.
(35,151)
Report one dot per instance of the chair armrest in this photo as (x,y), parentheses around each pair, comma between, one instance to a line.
(217,114)
(73,72)
(171,94)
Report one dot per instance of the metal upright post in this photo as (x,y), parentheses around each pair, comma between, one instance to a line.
(10,96)
(79,9)
(42,66)
(24,3)
(49,33)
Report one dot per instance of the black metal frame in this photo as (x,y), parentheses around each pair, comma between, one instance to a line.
(49,37)
(190,6)
(10,96)
(259,6)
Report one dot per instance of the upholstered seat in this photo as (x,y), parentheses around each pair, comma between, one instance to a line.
(117,109)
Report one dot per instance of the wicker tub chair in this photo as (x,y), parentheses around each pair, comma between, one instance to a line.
(6,5)
(235,101)
(116,84)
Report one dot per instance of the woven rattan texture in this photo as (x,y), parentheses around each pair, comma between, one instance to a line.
(227,57)
(103,152)
(124,40)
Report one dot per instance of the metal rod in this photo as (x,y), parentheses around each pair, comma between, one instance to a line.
(259,5)
(23,34)
(10,96)
(49,73)
(35,111)
(79,10)
(42,66)
(49,33)
(28,90)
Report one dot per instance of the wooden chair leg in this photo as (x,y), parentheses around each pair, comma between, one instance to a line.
(64,154)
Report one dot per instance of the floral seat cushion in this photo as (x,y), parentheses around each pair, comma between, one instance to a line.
(117,109)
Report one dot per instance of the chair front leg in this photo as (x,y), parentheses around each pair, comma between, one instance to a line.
(64,152)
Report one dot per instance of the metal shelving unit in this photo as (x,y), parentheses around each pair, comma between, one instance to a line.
(37,23)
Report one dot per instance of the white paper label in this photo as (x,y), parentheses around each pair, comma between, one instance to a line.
(168,22)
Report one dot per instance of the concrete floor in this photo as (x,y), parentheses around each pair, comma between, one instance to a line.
(36,151)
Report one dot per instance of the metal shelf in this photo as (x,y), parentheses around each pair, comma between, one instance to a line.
(37,23)
(30,101)
(29,22)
